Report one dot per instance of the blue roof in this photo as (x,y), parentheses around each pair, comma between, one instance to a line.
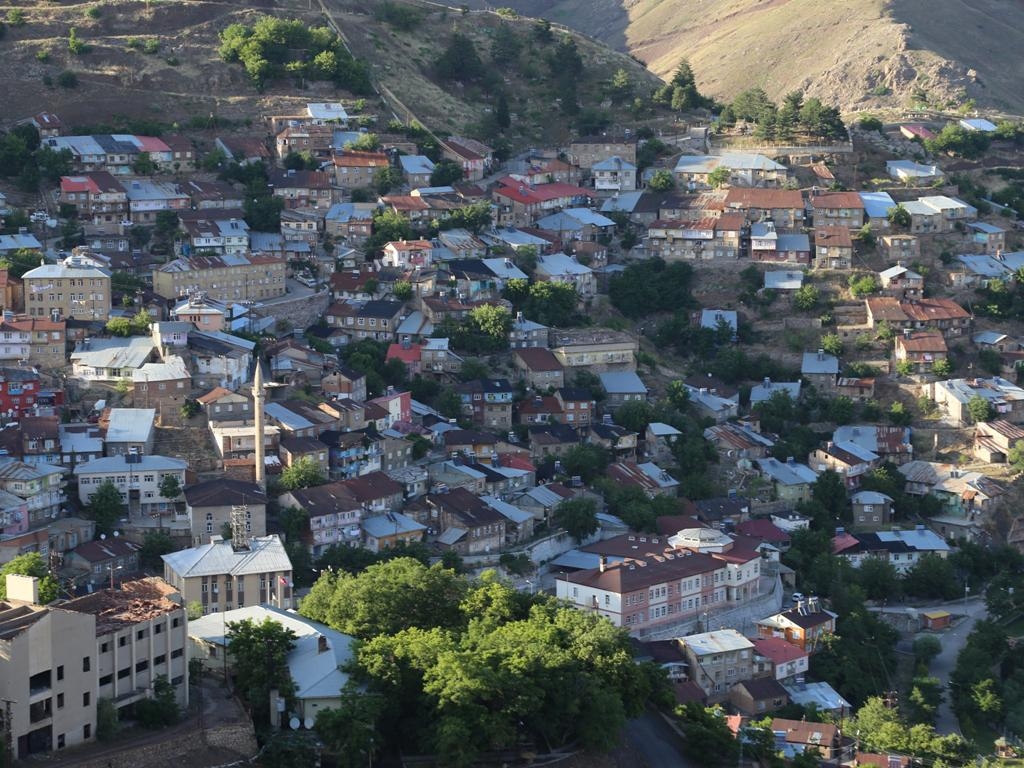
(624,202)
(613,163)
(622,382)
(798,243)
(877,204)
(573,219)
(988,229)
(420,164)
(709,318)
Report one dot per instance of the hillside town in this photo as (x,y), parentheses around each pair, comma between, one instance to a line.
(754,403)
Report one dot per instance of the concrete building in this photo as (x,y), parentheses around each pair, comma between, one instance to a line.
(129,430)
(74,289)
(224,574)
(137,479)
(229,277)
(209,507)
(718,660)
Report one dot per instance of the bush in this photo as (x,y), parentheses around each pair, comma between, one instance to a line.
(94,11)
(870,123)
(16,17)
(43,55)
(151,46)
(67,79)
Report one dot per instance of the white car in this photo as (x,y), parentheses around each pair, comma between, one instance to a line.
(797,597)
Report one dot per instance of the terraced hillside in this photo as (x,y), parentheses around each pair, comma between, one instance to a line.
(858,53)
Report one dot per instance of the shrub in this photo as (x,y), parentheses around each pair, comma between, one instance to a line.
(151,46)
(870,123)
(94,11)
(16,17)
(67,79)
(43,55)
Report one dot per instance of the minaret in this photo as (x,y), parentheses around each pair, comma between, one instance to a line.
(257,404)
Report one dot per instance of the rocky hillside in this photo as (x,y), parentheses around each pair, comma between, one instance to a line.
(861,54)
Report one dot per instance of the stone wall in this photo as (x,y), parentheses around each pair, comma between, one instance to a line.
(216,746)
(301,311)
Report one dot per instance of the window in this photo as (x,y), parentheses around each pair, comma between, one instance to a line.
(176,621)
(87,731)
(60,741)
(158,629)
(104,647)
(122,641)
(176,654)
(60,701)
(123,673)
(158,660)
(60,672)
(142,666)
(86,663)
(139,635)
(86,698)
(106,680)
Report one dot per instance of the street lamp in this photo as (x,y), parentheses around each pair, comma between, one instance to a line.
(967,591)
(113,568)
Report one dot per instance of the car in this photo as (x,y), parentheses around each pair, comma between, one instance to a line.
(797,597)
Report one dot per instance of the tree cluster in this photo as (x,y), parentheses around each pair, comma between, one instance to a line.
(270,48)
(25,160)
(463,668)
(650,287)
(546,302)
(795,117)
(680,94)
(31,564)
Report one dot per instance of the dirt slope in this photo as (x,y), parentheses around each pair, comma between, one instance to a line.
(858,53)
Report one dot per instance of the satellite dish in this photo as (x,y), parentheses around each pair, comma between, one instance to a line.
(308,723)
(294,723)
(116,534)
(103,537)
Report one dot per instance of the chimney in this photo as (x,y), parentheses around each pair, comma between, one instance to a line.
(602,564)
(23,588)
(821,353)
(257,396)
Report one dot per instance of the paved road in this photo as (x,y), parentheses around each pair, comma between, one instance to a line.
(953,642)
(656,743)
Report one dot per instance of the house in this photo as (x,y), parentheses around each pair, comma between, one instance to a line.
(613,174)
(833,248)
(714,405)
(993,440)
(622,387)
(837,209)
(659,441)
(587,151)
(40,486)
(350,223)
(757,696)
(783,207)
(527,334)
(382,532)
(803,736)
(377,319)
(223,575)
(928,313)
(790,480)
(820,369)
(475,157)
(778,659)
(129,431)
(163,385)
(921,349)
(872,510)
(354,169)
(735,442)
(408,254)
(98,199)
(211,504)
(334,514)
(902,549)
(717,660)
(902,248)
(539,368)
(805,625)
(577,405)
(765,530)
(745,170)
(519,204)
(648,477)
(99,562)
(561,268)
(467,524)
(316,662)
(488,402)
(911,173)
(597,350)
(954,395)
(137,478)
(901,283)
(618,441)
(849,460)
(938,213)
(768,389)
(235,278)
(783,281)
(346,382)
(577,224)
(110,360)
(986,238)
(45,296)
(977,124)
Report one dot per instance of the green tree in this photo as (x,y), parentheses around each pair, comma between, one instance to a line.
(708,740)
(170,487)
(832,344)
(501,112)
(367,142)
(387,598)
(980,409)
(446,173)
(459,61)
(492,320)
(119,326)
(578,517)
(678,394)
(635,415)
(144,165)
(719,177)
(985,698)
(387,179)
(107,722)
(806,297)
(161,709)
(931,577)
(898,415)
(303,473)
(105,508)
(259,652)
(925,698)
(662,181)
(1015,456)
(350,730)
(899,217)
(879,579)
(586,461)
(155,544)
(551,303)
(942,368)
(30,564)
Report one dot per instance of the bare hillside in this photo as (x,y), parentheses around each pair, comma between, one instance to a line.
(857,53)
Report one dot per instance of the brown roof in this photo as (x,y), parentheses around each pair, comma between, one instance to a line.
(777,650)
(356,159)
(807,620)
(833,200)
(761,688)
(755,197)
(136,601)
(213,395)
(834,237)
(923,341)
(538,359)
(925,310)
(806,732)
(39,427)
(326,499)
(105,549)
(635,574)
(729,222)
(224,492)
(375,485)
(886,308)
